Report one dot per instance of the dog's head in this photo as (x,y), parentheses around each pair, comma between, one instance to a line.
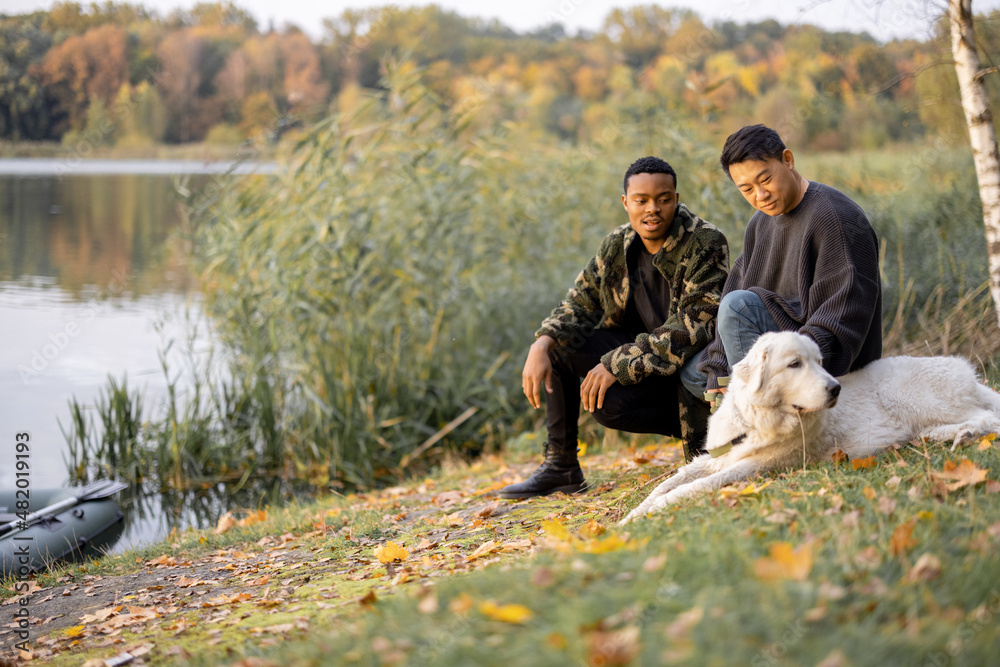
(781,378)
(785,371)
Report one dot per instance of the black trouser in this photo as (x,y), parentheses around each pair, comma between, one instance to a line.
(647,407)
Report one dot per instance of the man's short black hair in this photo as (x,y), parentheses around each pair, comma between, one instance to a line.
(649,165)
(753,142)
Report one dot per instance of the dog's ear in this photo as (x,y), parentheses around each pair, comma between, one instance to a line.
(752,370)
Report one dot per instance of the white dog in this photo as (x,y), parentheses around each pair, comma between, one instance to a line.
(782,409)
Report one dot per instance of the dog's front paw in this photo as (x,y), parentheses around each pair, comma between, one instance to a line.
(962,437)
(631,516)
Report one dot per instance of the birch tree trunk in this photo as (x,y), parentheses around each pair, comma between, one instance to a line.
(981,133)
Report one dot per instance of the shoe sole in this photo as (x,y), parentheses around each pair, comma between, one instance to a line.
(569,489)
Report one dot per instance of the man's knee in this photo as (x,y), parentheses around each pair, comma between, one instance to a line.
(734,304)
(614,415)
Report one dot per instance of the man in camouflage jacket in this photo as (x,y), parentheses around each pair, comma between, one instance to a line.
(639,311)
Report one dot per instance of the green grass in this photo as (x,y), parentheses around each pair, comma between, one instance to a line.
(679,587)
(703,603)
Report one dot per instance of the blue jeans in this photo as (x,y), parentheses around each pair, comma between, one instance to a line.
(742,319)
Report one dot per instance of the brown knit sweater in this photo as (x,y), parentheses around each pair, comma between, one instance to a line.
(816,269)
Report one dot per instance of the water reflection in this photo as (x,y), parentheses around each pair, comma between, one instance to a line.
(93,281)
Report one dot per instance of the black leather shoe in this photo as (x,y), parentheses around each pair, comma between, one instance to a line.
(560,471)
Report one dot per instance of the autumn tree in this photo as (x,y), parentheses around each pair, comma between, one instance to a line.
(87,67)
(190,60)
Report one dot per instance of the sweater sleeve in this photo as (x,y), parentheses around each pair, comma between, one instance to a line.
(579,314)
(845,290)
(690,326)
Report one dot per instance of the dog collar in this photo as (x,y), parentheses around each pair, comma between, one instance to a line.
(726,448)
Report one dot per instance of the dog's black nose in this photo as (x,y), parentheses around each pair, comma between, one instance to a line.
(834,391)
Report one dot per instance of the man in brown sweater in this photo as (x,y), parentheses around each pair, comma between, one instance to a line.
(809,264)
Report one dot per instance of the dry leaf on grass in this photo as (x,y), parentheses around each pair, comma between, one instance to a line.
(839,456)
(886,505)
(785,562)
(226,521)
(986,441)
(484,549)
(858,464)
(964,474)
(489,510)
(257,516)
(927,567)
(613,649)
(428,604)
(462,604)
(592,529)
(902,538)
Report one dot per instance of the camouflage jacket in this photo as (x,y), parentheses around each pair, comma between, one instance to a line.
(694,260)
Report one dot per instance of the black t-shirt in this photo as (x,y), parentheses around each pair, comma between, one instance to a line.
(649,293)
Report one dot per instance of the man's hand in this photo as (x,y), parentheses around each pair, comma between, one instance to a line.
(537,371)
(716,397)
(594,386)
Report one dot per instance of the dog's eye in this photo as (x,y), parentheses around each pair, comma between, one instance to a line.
(795,364)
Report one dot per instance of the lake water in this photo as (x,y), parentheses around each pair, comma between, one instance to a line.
(94,281)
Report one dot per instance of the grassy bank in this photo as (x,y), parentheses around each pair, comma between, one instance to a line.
(893,563)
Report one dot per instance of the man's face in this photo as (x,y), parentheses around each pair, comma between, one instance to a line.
(771,186)
(650,201)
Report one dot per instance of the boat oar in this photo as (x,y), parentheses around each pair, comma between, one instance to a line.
(95,491)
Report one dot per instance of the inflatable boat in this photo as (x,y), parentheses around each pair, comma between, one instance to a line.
(57,525)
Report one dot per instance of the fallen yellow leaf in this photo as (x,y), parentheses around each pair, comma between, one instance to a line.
(75,631)
(556,530)
(986,441)
(390,552)
(507,613)
(785,562)
(607,545)
(751,489)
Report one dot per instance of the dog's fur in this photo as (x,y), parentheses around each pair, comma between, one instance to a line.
(791,412)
